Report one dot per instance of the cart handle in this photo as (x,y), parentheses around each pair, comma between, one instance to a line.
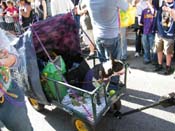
(165,102)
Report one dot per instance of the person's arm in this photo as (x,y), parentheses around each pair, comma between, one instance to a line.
(28,11)
(15,13)
(44,9)
(171,11)
(141,19)
(173,14)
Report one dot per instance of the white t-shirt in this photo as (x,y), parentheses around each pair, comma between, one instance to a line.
(61,6)
(104,16)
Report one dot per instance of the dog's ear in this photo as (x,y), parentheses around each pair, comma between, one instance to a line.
(117,65)
(113,61)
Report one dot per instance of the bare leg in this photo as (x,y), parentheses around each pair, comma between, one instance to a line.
(160,57)
(92,48)
(168,59)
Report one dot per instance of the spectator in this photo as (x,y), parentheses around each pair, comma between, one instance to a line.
(86,26)
(41,9)
(11,17)
(164,39)
(140,6)
(25,13)
(172,14)
(105,24)
(3,7)
(12,106)
(49,14)
(147,20)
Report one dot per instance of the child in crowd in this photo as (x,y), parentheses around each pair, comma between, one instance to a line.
(3,7)
(147,20)
(86,25)
(11,17)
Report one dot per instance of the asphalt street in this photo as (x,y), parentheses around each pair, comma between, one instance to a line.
(144,87)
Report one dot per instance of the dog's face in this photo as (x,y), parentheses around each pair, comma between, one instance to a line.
(117,65)
(110,68)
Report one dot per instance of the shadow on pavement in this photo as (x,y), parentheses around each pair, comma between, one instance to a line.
(135,122)
(143,98)
(61,121)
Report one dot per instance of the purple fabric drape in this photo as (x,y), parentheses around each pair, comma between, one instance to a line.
(59,33)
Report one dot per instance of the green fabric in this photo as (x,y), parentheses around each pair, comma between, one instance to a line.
(52,72)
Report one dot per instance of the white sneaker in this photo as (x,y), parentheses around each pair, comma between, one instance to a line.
(136,54)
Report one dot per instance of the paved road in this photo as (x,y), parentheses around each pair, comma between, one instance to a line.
(144,87)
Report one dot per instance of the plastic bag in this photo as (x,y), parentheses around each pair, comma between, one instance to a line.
(127,18)
(54,71)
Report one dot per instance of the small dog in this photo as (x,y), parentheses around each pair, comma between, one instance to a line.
(102,72)
(107,69)
(83,76)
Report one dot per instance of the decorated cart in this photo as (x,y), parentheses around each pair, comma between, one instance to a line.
(53,72)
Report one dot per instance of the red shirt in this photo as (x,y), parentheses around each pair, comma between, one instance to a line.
(12,11)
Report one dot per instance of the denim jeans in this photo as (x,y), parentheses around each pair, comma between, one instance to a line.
(13,112)
(107,48)
(148,46)
(123,44)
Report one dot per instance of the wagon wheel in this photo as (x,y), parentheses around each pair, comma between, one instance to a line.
(80,125)
(37,106)
(116,106)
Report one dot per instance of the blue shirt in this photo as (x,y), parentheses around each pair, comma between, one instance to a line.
(165,24)
(146,20)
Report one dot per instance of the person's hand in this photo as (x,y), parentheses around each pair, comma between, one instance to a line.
(172,13)
(167,9)
(21,10)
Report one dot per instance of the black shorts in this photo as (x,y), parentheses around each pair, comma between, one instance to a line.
(2,25)
(10,27)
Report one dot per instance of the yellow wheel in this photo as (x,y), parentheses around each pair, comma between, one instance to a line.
(2,99)
(80,125)
(37,106)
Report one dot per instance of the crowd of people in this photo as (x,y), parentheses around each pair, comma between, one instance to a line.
(154,27)
(16,16)
(155,33)
(100,22)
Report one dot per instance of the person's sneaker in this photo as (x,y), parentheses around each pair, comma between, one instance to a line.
(168,70)
(158,68)
(136,54)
